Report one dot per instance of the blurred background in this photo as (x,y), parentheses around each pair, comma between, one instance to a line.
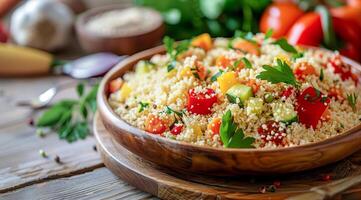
(333,24)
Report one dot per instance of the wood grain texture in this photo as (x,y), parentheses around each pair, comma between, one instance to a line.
(168,184)
(20,162)
(184,156)
(97,184)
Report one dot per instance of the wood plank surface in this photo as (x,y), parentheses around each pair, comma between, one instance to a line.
(20,162)
(97,184)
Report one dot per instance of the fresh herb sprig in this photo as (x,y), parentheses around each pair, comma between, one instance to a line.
(70,117)
(231,136)
(142,106)
(173,50)
(352,101)
(268,34)
(285,45)
(281,73)
(218,74)
(247,63)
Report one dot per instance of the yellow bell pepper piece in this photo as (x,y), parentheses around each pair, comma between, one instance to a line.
(124,92)
(203,41)
(226,81)
(186,71)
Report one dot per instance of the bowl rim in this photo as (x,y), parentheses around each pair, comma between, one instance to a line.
(106,110)
(83,18)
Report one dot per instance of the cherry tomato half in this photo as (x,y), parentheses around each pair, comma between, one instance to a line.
(279,17)
(201,102)
(3,34)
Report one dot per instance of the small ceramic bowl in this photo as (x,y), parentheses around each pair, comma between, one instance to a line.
(188,157)
(123,44)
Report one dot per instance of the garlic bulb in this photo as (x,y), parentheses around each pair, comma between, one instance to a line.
(43,24)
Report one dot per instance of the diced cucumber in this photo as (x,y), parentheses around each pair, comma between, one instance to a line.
(254,106)
(239,94)
(284,112)
(143,67)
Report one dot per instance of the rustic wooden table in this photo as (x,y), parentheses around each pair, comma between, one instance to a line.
(24,174)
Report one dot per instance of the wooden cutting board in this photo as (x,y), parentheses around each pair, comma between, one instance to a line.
(167,184)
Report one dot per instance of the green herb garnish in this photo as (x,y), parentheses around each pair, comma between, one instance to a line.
(171,66)
(268,34)
(247,63)
(322,76)
(231,136)
(169,111)
(218,74)
(281,73)
(173,50)
(142,105)
(285,45)
(70,117)
(244,35)
(352,101)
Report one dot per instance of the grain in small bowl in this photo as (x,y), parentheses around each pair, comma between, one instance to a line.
(119,29)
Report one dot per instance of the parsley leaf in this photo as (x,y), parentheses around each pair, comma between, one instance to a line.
(247,63)
(69,117)
(231,136)
(285,46)
(352,101)
(281,73)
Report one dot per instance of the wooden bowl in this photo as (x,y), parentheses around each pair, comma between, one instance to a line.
(125,44)
(219,161)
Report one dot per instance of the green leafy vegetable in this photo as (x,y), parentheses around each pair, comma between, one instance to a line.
(321,75)
(218,74)
(231,136)
(69,117)
(169,111)
(171,66)
(173,49)
(142,105)
(285,46)
(80,89)
(244,35)
(281,73)
(352,101)
(268,34)
(247,63)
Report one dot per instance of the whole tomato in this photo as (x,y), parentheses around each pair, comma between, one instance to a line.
(307,30)
(279,17)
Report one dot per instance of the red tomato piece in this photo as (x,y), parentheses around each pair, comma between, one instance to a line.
(279,17)
(311,105)
(115,85)
(177,129)
(287,92)
(201,102)
(271,131)
(307,30)
(155,125)
(303,70)
(343,69)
